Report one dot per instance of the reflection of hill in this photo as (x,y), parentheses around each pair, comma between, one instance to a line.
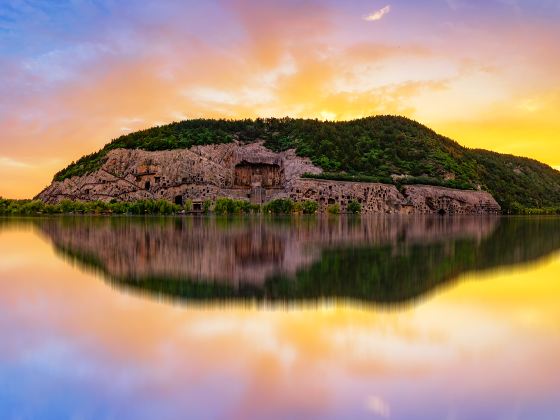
(381,259)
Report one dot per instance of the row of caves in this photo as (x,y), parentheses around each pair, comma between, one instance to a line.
(254,173)
(254,177)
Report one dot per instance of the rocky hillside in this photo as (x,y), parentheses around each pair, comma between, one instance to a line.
(251,172)
(379,149)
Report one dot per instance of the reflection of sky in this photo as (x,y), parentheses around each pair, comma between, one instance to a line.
(73,346)
(75,74)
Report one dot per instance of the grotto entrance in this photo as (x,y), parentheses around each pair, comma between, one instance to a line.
(264,175)
(179,200)
(197,206)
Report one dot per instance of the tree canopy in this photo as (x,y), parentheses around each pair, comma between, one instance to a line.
(382,148)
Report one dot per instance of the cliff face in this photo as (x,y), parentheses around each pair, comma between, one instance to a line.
(251,172)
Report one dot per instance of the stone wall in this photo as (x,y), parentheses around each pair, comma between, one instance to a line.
(199,173)
(251,172)
(373,197)
(385,198)
(426,199)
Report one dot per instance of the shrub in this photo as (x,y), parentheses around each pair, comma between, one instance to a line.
(32,207)
(119,207)
(224,206)
(245,206)
(279,206)
(334,208)
(309,207)
(256,208)
(231,206)
(66,206)
(354,207)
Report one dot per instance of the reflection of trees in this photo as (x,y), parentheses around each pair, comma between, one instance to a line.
(372,259)
(400,273)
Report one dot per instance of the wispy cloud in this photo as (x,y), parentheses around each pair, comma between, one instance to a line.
(12,163)
(81,74)
(378,15)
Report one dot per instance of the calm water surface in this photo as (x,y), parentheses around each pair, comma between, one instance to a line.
(401,318)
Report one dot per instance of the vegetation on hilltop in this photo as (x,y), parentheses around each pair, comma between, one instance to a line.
(521,185)
(373,148)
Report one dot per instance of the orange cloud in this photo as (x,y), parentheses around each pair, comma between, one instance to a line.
(299,61)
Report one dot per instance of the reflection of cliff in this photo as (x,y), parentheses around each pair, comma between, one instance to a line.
(376,259)
(246,251)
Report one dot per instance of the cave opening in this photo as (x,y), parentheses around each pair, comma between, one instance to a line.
(265,175)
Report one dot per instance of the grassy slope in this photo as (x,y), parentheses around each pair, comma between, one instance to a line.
(371,148)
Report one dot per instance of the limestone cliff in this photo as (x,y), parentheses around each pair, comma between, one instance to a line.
(251,172)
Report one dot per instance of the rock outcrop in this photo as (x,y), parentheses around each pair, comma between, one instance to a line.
(251,172)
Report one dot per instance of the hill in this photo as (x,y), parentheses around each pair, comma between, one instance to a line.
(387,149)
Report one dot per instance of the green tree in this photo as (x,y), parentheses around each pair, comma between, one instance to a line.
(309,207)
(354,207)
(279,206)
(333,208)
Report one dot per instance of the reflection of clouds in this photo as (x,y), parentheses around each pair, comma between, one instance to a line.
(466,346)
(52,356)
(9,262)
(361,344)
(378,406)
(263,333)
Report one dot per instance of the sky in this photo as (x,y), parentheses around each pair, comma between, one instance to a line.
(75,74)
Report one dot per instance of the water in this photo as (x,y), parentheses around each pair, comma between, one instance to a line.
(423,318)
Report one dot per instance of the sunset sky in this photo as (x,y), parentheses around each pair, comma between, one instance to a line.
(76,73)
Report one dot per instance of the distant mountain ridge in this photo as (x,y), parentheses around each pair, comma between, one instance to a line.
(388,149)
